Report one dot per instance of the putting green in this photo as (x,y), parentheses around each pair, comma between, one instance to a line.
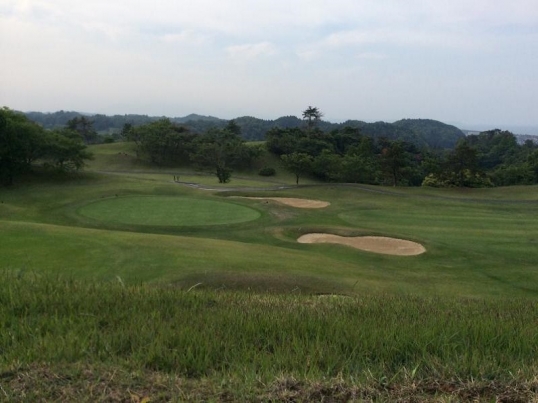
(167,210)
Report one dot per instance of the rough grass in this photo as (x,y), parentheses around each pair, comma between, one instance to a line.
(58,332)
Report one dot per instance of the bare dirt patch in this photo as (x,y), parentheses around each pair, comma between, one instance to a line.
(376,244)
(290,201)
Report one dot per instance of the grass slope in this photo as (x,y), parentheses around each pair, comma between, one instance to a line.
(481,246)
(88,298)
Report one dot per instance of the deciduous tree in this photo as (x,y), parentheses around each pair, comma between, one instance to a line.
(221,150)
(298,163)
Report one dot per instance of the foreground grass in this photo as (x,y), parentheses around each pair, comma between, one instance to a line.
(224,339)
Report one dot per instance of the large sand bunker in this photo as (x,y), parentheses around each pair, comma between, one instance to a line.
(299,203)
(376,244)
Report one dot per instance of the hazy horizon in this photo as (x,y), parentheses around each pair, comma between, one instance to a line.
(459,62)
(530,130)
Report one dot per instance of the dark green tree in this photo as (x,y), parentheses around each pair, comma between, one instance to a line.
(532,161)
(361,164)
(233,127)
(283,141)
(163,142)
(21,143)
(394,161)
(327,166)
(11,152)
(84,127)
(219,151)
(312,116)
(66,150)
(298,163)
(462,164)
(126,131)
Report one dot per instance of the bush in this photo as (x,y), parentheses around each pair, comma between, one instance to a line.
(267,171)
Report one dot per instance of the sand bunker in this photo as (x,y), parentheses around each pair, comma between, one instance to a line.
(299,203)
(376,244)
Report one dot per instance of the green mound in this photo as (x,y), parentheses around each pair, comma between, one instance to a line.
(167,210)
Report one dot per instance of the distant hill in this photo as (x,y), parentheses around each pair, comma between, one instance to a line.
(521,138)
(386,130)
(196,117)
(436,134)
(422,132)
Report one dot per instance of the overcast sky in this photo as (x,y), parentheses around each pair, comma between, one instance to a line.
(467,62)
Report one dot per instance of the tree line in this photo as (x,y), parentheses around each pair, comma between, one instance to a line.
(421,132)
(492,158)
(23,143)
(343,154)
(218,151)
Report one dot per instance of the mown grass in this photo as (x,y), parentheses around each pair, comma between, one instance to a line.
(476,247)
(167,210)
(257,338)
(265,318)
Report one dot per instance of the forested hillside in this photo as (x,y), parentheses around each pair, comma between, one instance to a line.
(420,132)
(435,133)
(409,152)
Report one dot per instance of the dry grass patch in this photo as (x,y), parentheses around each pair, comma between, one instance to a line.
(293,202)
(375,244)
(85,383)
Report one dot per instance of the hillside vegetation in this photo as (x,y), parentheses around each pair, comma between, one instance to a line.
(409,152)
(421,132)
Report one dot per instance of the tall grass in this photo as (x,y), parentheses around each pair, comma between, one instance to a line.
(260,336)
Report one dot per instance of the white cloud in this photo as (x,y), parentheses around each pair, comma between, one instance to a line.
(187,37)
(401,37)
(251,51)
(372,56)
(309,55)
(152,53)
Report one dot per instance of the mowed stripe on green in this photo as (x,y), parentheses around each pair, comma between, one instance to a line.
(167,210)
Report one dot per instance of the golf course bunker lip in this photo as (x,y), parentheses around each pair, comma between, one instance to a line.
(294,202)
(375,244)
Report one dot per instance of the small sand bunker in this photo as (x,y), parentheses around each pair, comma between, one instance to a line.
(376,244)
(299,203)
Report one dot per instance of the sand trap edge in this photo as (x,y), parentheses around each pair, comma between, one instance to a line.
(375,244)
(293,202)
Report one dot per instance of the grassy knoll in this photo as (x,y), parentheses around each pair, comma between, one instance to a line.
(98,268)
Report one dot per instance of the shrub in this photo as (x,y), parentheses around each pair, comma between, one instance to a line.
(267,171)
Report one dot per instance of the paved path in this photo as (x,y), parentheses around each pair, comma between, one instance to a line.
(275,186)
